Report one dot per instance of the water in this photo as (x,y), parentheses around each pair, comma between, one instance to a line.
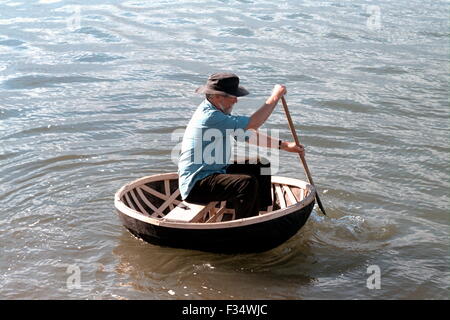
(91,91)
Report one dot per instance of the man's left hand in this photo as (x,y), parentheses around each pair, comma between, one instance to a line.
(292,147)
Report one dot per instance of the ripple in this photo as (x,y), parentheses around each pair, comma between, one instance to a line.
(382,70)
(240,32)
(42,81)
(264,17)
(348,105)
(299,15)
(99,34)
(428,34)
(49,1)
(11,43)
(353,232)
(338,36)
(97,57)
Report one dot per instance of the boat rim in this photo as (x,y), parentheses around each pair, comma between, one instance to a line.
(124,209)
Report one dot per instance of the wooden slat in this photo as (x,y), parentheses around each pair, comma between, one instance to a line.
(167,190)
(212,212)
(169,201)
(188,212)
(136,200)
(296,191)
(218,214)
(230,211)
(302,194)
(176,202)
(147,202)
(154,192)
(290,195)
(130,204)
(270,208)
(280,196)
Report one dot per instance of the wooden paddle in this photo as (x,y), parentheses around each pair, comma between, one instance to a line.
(302,158)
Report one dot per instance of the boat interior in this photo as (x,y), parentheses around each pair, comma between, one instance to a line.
(161,199)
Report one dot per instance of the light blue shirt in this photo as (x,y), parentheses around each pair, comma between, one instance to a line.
(206,146)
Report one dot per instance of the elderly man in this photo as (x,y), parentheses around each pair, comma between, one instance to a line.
(208,176)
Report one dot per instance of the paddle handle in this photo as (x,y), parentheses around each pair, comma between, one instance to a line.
(302,158)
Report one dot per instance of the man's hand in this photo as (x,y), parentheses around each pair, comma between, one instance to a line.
(292,147)
(278,91)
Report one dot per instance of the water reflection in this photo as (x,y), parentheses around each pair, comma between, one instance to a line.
(189,274)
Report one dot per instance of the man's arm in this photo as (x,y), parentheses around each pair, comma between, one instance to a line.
(262,140)
(260,116)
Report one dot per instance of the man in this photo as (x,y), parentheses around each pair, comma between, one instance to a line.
(205,173)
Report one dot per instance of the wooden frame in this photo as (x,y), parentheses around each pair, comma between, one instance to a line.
(132,200)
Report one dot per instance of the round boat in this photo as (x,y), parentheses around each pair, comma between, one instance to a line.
(151,208)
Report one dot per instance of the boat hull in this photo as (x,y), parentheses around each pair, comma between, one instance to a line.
(254,237)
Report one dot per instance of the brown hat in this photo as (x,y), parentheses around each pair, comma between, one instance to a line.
(223,83)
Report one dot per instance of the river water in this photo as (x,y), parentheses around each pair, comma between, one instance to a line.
(91,92)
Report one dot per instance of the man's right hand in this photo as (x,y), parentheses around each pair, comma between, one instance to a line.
(278,91)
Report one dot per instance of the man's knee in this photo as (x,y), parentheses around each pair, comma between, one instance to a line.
(249,185)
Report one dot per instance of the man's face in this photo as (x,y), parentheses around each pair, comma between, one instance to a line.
(227,103)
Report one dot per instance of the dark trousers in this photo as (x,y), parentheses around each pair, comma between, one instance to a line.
(242,184)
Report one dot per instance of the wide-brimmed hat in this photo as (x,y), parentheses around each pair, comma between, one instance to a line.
(223,83)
